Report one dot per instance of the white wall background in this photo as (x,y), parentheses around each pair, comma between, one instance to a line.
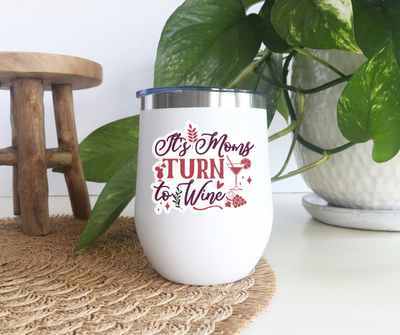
(121,35)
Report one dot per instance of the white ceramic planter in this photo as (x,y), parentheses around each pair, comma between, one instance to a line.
(200,151)
(350,178)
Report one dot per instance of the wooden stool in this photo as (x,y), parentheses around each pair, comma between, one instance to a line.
(27,75)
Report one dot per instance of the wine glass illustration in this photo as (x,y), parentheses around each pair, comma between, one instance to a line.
(245,163)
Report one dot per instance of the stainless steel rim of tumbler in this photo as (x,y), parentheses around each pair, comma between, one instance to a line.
(192,99)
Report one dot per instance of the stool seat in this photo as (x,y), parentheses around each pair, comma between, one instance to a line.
(51,68)
(27,75)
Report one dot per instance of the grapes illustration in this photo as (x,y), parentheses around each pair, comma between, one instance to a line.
(238,201)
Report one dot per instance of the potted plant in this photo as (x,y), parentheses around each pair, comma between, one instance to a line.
(215,43)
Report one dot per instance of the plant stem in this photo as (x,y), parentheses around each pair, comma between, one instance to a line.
(309,145)
(261,53)
(341,148)
(275,82)
(283,132)
(248,70)
(300,50)
(327,85)
(285,72)
(296,133)
(324,158)
(294,117)
(304,91)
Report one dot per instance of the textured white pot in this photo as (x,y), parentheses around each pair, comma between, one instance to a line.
(350,178)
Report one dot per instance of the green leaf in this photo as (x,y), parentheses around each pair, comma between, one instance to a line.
(317,24)
(115,196)
(375,23)
(250,82)
(272,68)
(269,36)
(206,42)
(369,107)
(105,149)
(282,107)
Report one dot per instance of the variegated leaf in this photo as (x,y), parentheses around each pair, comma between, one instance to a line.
(369,107)
(317,24)
(268,33)
(375,23)
(207,43)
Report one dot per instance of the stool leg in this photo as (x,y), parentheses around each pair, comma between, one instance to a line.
(14,143)
(67,139)
(32,165)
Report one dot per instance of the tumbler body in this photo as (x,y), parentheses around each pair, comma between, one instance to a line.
(203,207)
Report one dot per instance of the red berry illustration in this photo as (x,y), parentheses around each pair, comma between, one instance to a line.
(238,201)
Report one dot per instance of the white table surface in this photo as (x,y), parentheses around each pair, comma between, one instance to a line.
(330,280)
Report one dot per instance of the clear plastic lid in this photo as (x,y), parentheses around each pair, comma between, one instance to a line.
(172,89)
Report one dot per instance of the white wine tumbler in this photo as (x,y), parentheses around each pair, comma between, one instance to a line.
(203,206)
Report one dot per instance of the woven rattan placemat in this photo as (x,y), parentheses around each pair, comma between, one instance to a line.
(111,288)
